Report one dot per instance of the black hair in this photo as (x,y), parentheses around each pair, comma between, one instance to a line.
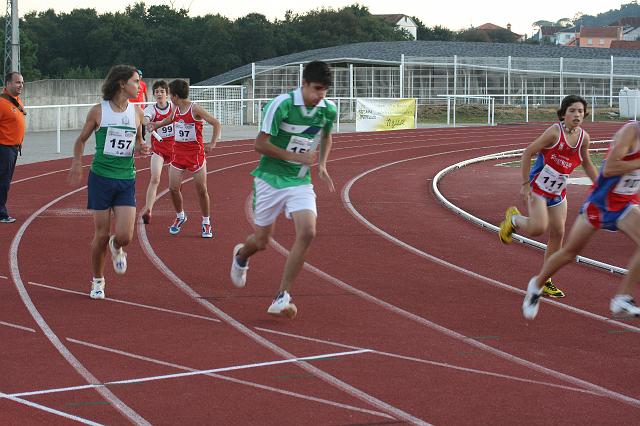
(9,76)
(317,72)
(116,75)
(568,101)
(180,88)
(160,84)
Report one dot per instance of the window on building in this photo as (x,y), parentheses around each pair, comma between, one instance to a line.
(589,41)
(602,41)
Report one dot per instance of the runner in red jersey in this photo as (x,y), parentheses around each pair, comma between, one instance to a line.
(560,149)
(189,153)
(611,205)
(161,142)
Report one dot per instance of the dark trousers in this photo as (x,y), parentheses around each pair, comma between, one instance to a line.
(8,158)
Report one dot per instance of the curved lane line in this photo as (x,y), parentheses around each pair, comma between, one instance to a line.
(53,338)
(48,409)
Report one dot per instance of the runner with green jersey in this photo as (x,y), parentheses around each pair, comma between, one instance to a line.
(115,141)
(294,125)
(296,128)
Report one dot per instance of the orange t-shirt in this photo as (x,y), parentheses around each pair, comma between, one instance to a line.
(141,92)
(12,123)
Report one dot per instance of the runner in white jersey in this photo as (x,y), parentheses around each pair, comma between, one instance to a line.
(111,185)
(293,125)
(161,142)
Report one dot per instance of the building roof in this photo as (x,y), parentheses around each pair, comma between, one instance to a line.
(388,52)
(548,30)
(625,44)
(393,18)
(608,32)
(488,27)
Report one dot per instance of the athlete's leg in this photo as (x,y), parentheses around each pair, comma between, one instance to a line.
(175,184)
(305,223)
(255,242)
(124,218)
(538,219)
(557,219)
(102,224)
(580,234)
(200,180)
(156,170)
(630,225)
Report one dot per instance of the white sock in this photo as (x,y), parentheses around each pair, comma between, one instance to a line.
(205,220)
(513,220)
(180,215)
(98,280)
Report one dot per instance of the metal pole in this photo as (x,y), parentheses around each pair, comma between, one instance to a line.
(338,116)
(509,79)
(526,108)
(351,102)
(593,109)
(611,84)
(58,133)
(401,75)
(561,78)
(448,110)
(253,92)
(300,70)
(455,85)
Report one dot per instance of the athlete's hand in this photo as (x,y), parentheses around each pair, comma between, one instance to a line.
(145,149)
(75,173)
(306,158)
(151,127)
(324,175)
(208,147)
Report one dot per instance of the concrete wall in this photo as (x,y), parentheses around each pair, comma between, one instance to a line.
(64,92)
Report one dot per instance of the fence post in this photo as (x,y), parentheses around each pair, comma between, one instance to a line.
(338,114)
(58,133)
(593,109)
(401,75)
(611,85)
(253,93)
(448,111)
(526,108)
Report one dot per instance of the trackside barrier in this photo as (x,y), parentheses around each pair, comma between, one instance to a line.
(484,224)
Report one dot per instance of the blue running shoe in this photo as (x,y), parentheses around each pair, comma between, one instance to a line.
(177,225)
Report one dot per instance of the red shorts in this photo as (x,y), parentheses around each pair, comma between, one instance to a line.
(164,149)
(190,157)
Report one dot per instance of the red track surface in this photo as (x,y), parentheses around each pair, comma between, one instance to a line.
(421,307)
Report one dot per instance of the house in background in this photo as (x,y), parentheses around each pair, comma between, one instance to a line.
(630,27)
(547,33)
(599,37)
(493,27)
(566,36)
(402,22)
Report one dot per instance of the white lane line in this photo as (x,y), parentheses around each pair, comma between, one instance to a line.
(139,305)
(232,379)
(190,373)
(44,326)
(48,409)
(3,277)
(328,378)
(351,209)
(19,327)
(434,363)
(433,325)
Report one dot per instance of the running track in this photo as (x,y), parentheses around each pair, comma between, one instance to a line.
(407,312)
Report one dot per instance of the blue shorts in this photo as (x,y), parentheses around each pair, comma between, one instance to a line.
(105,192)
(601,218)
(551,201)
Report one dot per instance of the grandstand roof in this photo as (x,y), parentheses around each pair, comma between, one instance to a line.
(389,53)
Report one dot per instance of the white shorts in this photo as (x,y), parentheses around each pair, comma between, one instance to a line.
(268,201)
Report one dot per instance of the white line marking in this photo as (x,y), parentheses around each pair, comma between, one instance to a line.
(328,378)
(3,277)
(232,379)
(109,299)
(53,338)
(433,325)
(190,373)
(435,363)
(48,410)
(19,327)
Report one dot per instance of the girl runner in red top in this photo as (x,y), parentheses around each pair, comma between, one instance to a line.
(189,153)
(611,205)
(161,142)
(560,149)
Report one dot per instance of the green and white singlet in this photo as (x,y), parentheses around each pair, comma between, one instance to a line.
(115,140)
(294,127)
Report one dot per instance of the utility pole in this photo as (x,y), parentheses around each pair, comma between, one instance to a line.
(11,38)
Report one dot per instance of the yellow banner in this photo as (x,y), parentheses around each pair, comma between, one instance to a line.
(385,114)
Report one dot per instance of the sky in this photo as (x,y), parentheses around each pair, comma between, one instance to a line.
(465,13)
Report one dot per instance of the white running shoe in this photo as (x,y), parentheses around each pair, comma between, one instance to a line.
(531,302)
(238,273)
(623,304)
(118,256)
(282,306)
(97,289)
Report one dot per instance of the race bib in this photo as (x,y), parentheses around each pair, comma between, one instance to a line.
(551,181)
(119,142)
(165,131)
(629,183)
(185,132)
(299,145)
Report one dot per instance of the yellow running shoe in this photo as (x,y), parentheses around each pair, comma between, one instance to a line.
(506,226)
(551,290)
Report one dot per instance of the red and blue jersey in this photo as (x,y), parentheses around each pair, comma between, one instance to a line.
(614,193)
(550,173)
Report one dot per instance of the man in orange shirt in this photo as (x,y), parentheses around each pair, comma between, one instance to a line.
(141,97)
(12,127)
